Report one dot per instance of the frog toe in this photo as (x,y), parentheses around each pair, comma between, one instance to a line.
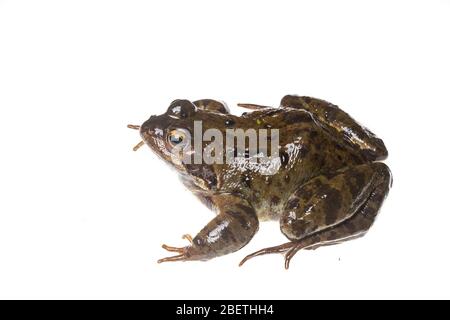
(188,237)
(277,249)
(173,249)
(184,252)
(179,257)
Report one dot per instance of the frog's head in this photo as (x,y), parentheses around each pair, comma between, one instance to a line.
(169,132)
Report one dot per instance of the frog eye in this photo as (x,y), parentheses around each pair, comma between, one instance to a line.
(177,137)
(181,109)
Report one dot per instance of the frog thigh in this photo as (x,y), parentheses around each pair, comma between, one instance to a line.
(330,210)
(338,123)
(326,202)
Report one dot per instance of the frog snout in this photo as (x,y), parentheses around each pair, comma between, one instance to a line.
(150,127)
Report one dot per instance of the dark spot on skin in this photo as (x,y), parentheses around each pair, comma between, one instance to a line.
(329,175)
(275,200)
(331,114)
(292,204)
(229,123)
(296,117)
(356,183)
(356,159)
(339,157)
(350,227)
(303,151)
(247,180)
(245,209)
(299,131)
(284,158)
(322,158)
(301,228)
(294,230)
(212,181)
(313,134)
(316,158)
(228,236)
(317,184)
(240,218)
(331,205)
(333,235)
(304,193)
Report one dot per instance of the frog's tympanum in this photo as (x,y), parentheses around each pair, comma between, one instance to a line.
(328,186)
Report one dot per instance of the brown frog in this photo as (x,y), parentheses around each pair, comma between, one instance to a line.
(328,186)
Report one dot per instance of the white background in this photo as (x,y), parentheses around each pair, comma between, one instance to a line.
(82,216)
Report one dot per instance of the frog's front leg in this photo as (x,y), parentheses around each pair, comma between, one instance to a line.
(229,231)
(338,123)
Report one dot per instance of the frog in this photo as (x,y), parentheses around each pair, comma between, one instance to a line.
(328,187)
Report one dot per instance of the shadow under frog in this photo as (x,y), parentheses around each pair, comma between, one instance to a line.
(328,188)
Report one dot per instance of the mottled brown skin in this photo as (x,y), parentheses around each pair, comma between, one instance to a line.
(328,189)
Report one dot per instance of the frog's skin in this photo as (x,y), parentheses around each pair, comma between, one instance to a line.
(328,189)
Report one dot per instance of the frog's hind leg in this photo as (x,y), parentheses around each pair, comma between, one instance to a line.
(331,209)
(289,249)
(353,228)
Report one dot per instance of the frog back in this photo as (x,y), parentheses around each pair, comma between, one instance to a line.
(305,151)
